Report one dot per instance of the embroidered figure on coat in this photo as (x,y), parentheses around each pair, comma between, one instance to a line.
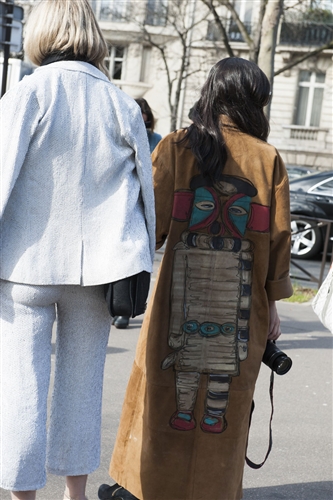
(211,294)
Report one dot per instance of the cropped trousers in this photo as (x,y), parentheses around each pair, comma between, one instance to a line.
(67,442)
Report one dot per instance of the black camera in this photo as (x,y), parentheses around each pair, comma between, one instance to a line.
(275,359)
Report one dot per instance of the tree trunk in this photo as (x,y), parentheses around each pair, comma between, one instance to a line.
(256,35)
(269,33)
(173,122)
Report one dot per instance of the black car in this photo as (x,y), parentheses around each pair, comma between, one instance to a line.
(311,196)
(295,171)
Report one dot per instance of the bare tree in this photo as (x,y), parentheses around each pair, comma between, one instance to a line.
(262,43)
(170,30)
(268,39)
(179,15)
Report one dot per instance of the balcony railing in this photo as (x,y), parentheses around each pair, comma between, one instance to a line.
(234,35)
(306,34)
(296,34)
(303,133)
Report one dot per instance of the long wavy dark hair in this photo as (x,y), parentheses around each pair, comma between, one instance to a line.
(238,89)
(146,109)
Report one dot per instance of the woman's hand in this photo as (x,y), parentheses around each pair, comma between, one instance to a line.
(274,331)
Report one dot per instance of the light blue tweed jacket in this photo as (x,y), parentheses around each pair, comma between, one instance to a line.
(76,199)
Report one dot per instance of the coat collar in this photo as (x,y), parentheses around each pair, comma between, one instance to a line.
(80,66)
(227,122)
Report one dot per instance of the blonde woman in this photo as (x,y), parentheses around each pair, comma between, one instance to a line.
(76,212)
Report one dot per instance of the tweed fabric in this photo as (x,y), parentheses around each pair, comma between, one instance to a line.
(71,446)
(76,181)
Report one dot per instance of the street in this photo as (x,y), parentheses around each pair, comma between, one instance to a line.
(312,266)
(300,464)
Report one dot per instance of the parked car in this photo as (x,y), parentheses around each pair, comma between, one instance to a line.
(311,196)
(295,171)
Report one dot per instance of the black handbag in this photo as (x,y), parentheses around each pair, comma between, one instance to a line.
(128,296)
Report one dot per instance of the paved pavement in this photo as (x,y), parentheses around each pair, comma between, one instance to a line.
(300,464)
(313,267)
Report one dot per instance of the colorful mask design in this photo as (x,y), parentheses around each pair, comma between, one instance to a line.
(211,294)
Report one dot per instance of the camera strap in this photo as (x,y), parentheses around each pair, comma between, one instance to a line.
(248,461)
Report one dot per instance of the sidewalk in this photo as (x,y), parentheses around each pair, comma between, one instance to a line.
(300,464)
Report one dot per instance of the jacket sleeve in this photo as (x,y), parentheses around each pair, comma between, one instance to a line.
(19,117)
(139,142)
(278,285)
(164,189)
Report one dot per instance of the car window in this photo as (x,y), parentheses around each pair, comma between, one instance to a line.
(325,188)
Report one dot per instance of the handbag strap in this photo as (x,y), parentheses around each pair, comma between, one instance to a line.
(248,461)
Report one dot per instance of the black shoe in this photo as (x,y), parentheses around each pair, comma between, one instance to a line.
(115,492)
(121,322)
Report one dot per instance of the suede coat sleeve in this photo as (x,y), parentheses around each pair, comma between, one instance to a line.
(278,282)
(164,186)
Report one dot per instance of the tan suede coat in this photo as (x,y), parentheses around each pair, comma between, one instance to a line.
(184,426)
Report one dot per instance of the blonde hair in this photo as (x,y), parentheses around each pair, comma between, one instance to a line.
(66,26)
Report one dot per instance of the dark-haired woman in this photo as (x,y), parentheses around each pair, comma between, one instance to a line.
(149,119)
(222,199)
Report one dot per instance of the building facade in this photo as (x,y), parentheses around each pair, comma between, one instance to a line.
(145,37)
(162,50)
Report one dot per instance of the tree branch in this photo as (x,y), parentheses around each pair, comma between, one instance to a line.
(240,24)
(257,31)
(148,38)
(219,24)
(303,58)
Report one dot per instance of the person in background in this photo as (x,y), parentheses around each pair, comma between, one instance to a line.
(148,118)
(222,205)
(122,322)
(76,212)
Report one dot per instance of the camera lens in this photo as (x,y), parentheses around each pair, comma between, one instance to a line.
(282,364)
(275,359)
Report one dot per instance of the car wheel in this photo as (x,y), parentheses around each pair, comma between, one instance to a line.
(306,240)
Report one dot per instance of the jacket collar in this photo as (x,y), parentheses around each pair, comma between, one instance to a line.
(80,66)
(61,56)
(225,121)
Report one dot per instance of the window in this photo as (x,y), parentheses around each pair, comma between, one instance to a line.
(244,9)
(113,10)
(115,61)
(213,33)
(145,64)
(310,97)
(324,188)
(156,12)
